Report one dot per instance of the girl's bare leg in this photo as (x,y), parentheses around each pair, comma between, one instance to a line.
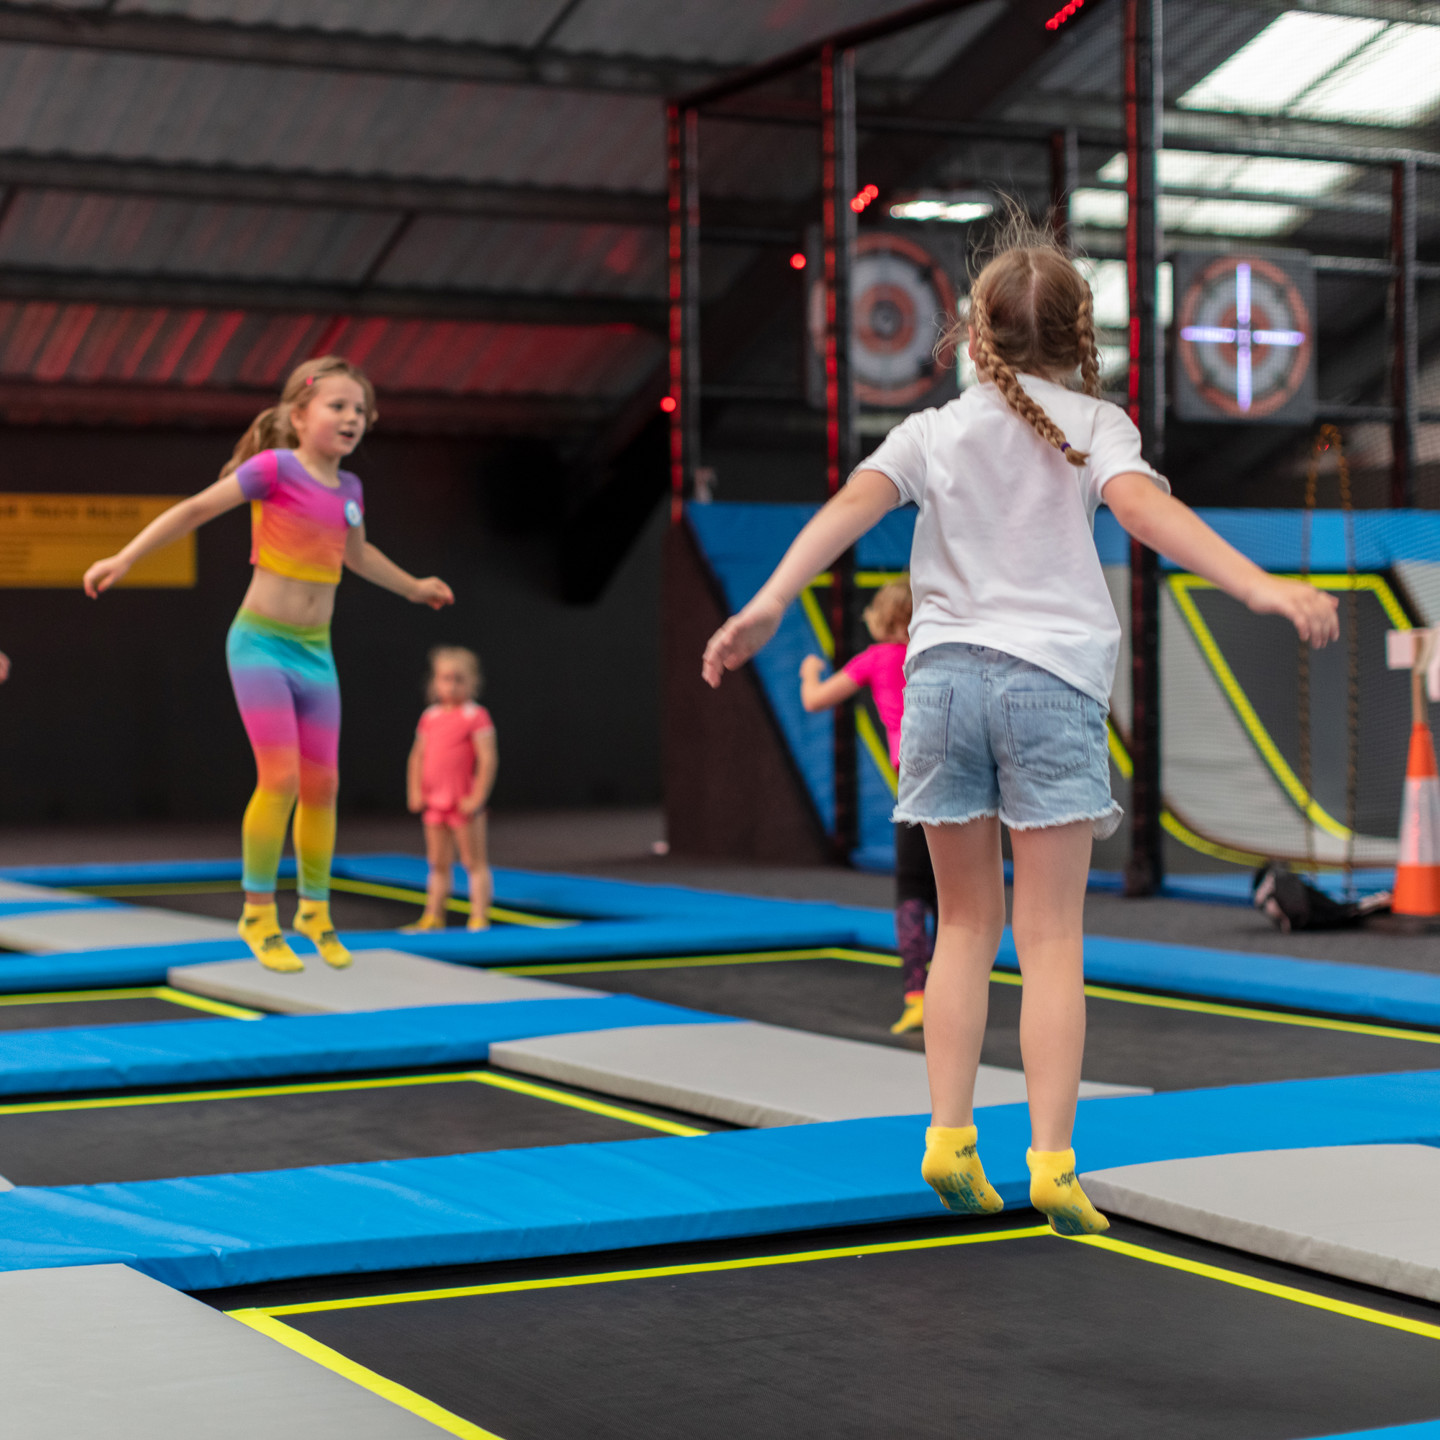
(471,839)
(440,852)
(1052,866)
(970,881)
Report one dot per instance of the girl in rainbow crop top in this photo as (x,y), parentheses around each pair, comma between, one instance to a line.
(308,524)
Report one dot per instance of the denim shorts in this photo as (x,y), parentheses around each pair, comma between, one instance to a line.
(987,734)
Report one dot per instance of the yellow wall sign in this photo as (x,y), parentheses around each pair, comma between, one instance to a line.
(49,541)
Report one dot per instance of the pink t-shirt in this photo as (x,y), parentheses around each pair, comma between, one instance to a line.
(447,767)
(882,668)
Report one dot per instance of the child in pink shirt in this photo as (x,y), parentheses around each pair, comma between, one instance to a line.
(881,666)
(449,778)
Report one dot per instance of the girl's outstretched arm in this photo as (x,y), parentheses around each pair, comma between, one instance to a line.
(817,694)
(864,501)
(169,525)
(366,561)
(1177,532)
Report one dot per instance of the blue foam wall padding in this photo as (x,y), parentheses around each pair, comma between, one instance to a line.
(209,1231)
(1424,1430)
(120,1057)
(44,907)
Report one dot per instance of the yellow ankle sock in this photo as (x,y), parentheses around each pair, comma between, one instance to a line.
(912,1017)
(312,920)
(260,929)
(953,1169)
(1055,1192)
(479,919)
(424,923)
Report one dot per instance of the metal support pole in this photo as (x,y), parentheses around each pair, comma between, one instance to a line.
(683,170)
(1404,330)
(1064,179)
(837,157)
(1143,99)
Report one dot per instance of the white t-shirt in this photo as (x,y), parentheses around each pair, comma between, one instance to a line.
(1004,548)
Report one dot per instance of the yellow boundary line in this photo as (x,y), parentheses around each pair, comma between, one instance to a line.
(350,887)
(1181,587)
(370,1380)
(997,977)
(389,1082)
(136,992)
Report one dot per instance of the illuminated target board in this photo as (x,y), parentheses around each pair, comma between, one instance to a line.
(902,295)
(1244,337)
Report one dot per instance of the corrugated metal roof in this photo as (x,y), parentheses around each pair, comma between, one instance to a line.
(195,347)
(79,102)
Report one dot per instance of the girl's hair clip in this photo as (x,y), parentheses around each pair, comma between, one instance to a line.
(1064,444)
(309,379)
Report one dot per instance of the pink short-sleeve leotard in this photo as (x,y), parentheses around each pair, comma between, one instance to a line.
(298,524)
(882,668)
(447,767)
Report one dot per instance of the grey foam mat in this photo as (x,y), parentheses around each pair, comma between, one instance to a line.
(19,890)
(106,927)
(1362,1212)
(105,1351)
(751,1074)
(377,980)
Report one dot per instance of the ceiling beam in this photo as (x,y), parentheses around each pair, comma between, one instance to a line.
(30,403)
(236,184)
(344,50)
(111,288)
(1413,13)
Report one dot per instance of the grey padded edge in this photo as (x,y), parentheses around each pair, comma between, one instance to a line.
(751,1074)
(105,1351)
(6,1184)
(106,927)
(19,890)
(377,980)
(1362,1212)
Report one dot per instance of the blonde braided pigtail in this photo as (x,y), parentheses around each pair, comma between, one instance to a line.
(1085,344)
(1007,382)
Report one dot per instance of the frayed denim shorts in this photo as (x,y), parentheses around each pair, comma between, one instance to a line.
(987,734)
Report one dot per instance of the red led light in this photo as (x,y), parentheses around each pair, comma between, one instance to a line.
(1063,14)
(668,404)
(864,197)
(857,204)
(872,191)
(797,261)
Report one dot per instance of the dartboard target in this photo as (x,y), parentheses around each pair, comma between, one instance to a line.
(1244,337)
(901,296)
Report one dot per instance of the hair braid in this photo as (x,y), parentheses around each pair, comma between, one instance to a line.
(988,362)
(1085,344)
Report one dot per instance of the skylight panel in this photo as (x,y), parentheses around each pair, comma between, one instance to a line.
(1292,177)
(1283,61)
(1394,80)
(1105,210)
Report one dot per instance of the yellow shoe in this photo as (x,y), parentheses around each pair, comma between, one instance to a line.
(259,928)
(312,920)
(953,1170)
(478,920)
(913,1015)
(1055,1192)
(424,923)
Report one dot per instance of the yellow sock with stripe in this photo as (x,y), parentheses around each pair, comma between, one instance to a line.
(1055,1192)
(952,1168)
(260,929)
(312,920)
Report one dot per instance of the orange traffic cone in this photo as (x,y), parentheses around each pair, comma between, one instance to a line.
(1417,877)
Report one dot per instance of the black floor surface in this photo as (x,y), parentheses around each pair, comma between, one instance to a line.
(276,1132)
(1127,1043)
(1020,1338)
(126,1010)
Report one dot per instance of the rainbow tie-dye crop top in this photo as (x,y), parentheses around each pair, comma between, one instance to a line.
(298,525)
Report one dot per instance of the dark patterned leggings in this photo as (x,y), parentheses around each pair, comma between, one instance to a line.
(915,905)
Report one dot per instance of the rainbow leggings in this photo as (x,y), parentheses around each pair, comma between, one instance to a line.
(289,698)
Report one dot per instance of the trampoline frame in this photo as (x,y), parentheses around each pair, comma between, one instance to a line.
(267,1319)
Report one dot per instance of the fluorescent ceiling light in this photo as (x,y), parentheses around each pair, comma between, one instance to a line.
(1281,63)
(1196,170)
(956,211)
(1395,79)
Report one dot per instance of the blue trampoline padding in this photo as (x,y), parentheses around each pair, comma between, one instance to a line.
(119,1057)
(210,1231)
(137,872)
(45,907)
(1423,1430)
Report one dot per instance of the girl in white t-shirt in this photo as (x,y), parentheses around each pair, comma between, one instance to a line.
(1011,660)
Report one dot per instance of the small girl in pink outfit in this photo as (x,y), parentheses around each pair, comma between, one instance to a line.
(881,666)
(449,777)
